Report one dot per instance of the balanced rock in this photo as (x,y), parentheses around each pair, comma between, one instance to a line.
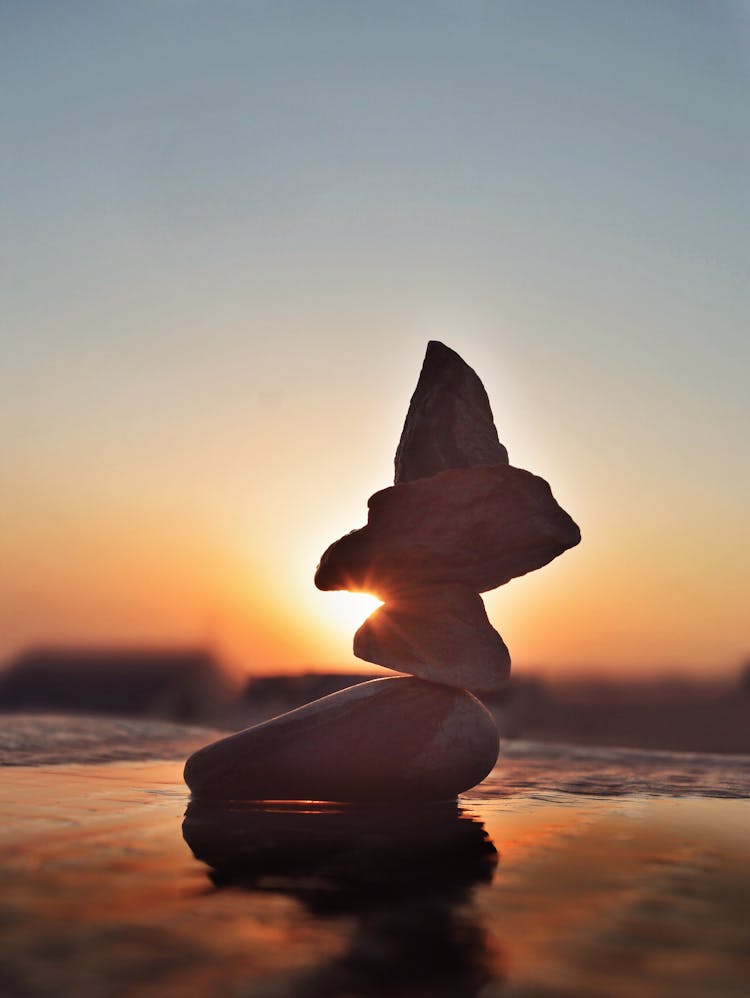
(458,522)
(385,740)
(479,526)
(440,633)
(449,423)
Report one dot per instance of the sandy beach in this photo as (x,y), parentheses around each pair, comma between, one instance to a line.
(567,872)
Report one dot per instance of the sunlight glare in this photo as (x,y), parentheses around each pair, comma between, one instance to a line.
(348,610)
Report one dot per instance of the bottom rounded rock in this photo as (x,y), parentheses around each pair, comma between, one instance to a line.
(390,739)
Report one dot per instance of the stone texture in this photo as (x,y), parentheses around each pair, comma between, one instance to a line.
(441,634)
(449,423)
(385,740)
(478,526)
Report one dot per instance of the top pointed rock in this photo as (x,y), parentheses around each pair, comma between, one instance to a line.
(449,423)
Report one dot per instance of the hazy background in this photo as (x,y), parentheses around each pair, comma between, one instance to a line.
(228,231)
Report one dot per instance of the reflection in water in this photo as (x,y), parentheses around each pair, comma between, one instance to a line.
(405,877)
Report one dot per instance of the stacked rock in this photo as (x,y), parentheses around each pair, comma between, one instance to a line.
(458,521)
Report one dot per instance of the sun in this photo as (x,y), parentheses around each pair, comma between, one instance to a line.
(349,610)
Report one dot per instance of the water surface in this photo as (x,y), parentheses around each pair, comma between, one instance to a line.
(567,873)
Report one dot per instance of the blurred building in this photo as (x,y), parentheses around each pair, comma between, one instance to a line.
(181,685)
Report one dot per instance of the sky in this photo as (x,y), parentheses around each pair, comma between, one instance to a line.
(227,232)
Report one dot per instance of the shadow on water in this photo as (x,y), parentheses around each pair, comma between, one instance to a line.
(405,877)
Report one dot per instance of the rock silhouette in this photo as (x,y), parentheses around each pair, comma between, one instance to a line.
(449,423)
(458,521)
(479,526)
(388,739)
(440,633)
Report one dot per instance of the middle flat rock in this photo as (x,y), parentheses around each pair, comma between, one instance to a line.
(478,526)
(441,633)
(398,739)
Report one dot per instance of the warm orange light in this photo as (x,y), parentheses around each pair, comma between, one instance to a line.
(346,611)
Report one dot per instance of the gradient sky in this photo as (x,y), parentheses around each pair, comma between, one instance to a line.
(228,231)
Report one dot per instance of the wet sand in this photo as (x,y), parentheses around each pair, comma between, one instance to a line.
(566,873)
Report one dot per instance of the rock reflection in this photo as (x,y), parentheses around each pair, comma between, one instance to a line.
(405,877)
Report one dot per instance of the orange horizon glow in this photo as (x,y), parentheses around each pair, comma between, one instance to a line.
(162,581)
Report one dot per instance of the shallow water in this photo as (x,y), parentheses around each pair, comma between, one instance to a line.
(568,872)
